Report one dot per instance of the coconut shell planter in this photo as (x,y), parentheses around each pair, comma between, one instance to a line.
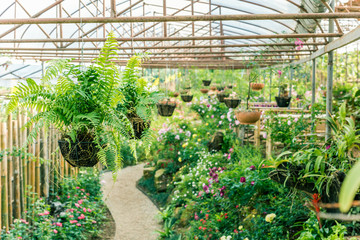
(206,82)
(139,126)
(79,153)
(166,108)
(283,101)
(213,88)
(187,98)
(248,117)
(221,96)
(204,90)
(257,86)
(232,102)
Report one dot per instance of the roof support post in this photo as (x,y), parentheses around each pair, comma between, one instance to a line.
(330,72)
(291,80)
(270,85)
(193,23)
(164,13)
(313,86)
(113,8)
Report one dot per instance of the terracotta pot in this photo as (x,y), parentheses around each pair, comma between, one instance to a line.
(166,108)
(204,90)
(206,82)
(213,88)
(232,102)
(187,98)
(248,117)
(257,86)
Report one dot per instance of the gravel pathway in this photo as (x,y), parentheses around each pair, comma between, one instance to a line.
(133,212)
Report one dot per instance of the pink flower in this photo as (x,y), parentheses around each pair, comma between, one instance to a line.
(296,119)
(89,210)
(58,224)
(252,167)
(73,221)
(19,237)
(94,222)
(229,156)
(78,224)
(177,137)
(242,179)
(84,209)
(77,187)
(55,231)
(279,72)
(265,135)
(212,116)
(68,196)
(82,216)
(77,205)
(88,194)
(71,216)
(231,150)
(289,122)
(80,201)
(252,183)
(237,122)
(83,190)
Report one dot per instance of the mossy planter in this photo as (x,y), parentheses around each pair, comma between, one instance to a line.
(187,98)
(206,82)
(248,117)
(221,96)
(204,90)
(283,101)
(257,86)
(232,102)
(175,94)
(79,153)
(213,88)
(166,109)
(220,88)
(139,126)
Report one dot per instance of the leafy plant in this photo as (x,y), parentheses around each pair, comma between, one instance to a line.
(81,104)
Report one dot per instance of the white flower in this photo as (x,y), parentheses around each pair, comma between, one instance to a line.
(270,217)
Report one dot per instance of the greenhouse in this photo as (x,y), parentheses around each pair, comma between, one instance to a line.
(179,120)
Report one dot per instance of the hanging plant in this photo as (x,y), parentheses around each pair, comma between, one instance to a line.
(257,86)
(232,101)
(187,97)
(206,82)
(283,99)
(204,90)
(166,108)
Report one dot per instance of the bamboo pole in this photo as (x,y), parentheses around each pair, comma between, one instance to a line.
(10,168)
(16,167)
(37,165)
(22,161)
(4,178)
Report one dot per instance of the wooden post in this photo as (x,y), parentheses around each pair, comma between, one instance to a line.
(257,134)
(268,146)
(4,178)
(37,165)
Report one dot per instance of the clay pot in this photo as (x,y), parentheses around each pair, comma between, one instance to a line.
(176,94)
(257,86)
(247,117)
(213,88)
(204,90)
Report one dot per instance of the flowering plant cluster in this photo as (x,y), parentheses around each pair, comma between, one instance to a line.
(79,216)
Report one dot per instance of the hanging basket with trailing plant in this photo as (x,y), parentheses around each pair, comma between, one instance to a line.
(213,88)
(257,86)
(283,101)
(79,153)
(247,117)
(166,108)
(176,94)
(138,124)
(187,97)
(206,82)
(204,90)
(232,102)
(221,96)
(229,86)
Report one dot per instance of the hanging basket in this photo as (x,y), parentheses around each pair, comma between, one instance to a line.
(213,88)
(221,96)
(248,117)
(283,101)
(257,86)
(220,88)
(204,90)
(206,82)
(232,102)
(79,153)
(139,125)
(187,98)
(229,86)
(176,94)
(166,108)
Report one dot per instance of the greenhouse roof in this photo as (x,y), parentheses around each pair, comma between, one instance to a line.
(177,33)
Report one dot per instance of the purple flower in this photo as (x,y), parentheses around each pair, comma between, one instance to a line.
(208,105)
(206,188)
(242,179)
(222,191)
(328,147)
(252,167)
(252,183)
(212,116)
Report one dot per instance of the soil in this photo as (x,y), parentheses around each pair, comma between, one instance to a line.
(133,212)
(108,228)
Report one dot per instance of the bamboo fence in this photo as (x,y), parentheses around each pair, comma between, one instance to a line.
(36,172)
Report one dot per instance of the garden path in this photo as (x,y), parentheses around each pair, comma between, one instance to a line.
(133,212)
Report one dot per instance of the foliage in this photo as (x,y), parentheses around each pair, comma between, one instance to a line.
(79,217)
(81,104)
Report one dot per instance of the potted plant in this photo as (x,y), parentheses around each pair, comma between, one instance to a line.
(187,97)
(206,82)
(232,101)
(283,99)
(257,86)
(248,116)
(166,108)
(204,90)
(81,105)
(222,95)
(138,103)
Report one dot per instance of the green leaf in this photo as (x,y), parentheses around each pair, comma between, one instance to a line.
(349,188)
